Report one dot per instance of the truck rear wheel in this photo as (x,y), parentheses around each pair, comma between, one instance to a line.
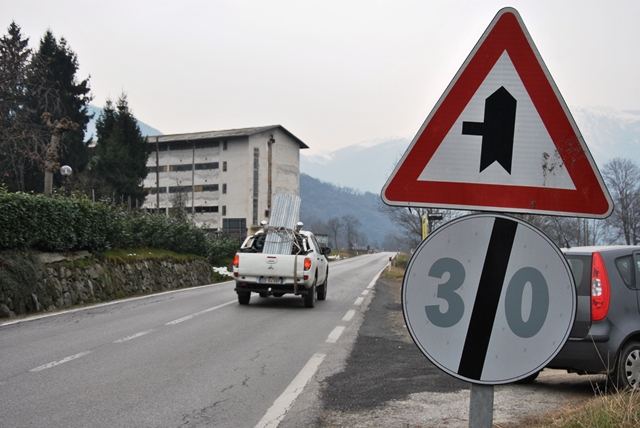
(243,298)
(322,290)
(310,298)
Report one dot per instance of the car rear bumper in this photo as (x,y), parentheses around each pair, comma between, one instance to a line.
(593,354)
(243,287)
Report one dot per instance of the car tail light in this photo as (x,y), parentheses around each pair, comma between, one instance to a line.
(236,263)
(600,288)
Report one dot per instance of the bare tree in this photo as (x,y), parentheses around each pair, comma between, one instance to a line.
(623,180)
(56,128)
(334,225)
(409,220)
(351,224)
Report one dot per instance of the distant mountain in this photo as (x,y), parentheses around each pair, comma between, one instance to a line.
(323,201)
(91,126)
(609,133)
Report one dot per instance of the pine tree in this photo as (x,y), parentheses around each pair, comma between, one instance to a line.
(122,152)
(16,129)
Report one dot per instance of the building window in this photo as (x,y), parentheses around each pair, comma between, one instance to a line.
(206,188)
(224,145)
(207,144)
(224,188)
(156,190)
(181,145)
(207,209)
(180,189)
(153,169)
(210,165)
(224,210)
(187,167)
(224,166)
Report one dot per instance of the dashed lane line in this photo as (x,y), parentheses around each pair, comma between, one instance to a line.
(62,361)
(188,317)
(133,336)
(349,315)
(279,409)
(335,334)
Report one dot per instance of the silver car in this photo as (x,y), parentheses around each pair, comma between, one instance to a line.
(606,334)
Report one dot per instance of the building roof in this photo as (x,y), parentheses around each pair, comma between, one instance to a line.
(229,133)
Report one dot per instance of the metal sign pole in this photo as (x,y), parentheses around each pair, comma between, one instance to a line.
(481,406)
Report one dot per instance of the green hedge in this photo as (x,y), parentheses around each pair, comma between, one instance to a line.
(60,224)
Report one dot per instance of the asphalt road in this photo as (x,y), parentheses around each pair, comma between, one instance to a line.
(188,358)
(379,378)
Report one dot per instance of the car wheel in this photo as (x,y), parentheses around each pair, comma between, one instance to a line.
(310,298)
(322,291)
(243,298)
(627,371)
(264,294)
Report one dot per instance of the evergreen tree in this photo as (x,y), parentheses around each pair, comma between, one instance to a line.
(122,152)
(16,128)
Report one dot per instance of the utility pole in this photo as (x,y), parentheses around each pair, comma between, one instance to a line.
(269,168)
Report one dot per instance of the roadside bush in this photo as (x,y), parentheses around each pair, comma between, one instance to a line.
(221,249)
(59,224)
(52,224)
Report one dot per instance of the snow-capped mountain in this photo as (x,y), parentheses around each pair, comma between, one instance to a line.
(608,133)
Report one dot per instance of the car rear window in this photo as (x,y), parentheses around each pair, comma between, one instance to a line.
(625,269)
(581,269)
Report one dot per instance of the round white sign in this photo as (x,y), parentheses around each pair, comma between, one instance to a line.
(489,298)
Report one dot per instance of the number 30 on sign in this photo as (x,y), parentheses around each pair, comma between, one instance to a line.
(489,299)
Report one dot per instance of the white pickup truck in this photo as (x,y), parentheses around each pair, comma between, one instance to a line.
(304,272)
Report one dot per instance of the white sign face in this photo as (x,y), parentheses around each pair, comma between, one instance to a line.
(489,299)
(534,159)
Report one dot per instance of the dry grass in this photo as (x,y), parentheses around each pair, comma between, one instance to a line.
(616,410)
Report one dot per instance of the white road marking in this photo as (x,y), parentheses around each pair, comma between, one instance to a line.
(62,361)
(133,336)
(188,317)
(375,279)
(335,334)
(279,409)
(365,292)
(358,301)
(349,315)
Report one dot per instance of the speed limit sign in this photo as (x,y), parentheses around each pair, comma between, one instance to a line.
(488,299)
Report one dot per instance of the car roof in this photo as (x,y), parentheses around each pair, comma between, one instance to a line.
(600,249)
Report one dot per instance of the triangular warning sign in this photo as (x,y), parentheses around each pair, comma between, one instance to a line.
(501,138)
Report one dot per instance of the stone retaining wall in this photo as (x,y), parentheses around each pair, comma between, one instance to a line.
(61,287)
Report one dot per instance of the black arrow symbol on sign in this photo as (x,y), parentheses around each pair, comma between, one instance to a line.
(497,130)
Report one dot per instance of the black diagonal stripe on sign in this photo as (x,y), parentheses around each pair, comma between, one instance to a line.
(487,298)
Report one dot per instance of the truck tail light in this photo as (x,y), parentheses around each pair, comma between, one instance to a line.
(236,263)
(600,288)
(307,266)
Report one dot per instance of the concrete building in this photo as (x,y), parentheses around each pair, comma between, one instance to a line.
(226,179)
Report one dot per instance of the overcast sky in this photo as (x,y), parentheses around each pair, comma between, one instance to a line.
(333,72)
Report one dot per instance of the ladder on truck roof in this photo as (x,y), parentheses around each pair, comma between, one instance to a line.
(284,217)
